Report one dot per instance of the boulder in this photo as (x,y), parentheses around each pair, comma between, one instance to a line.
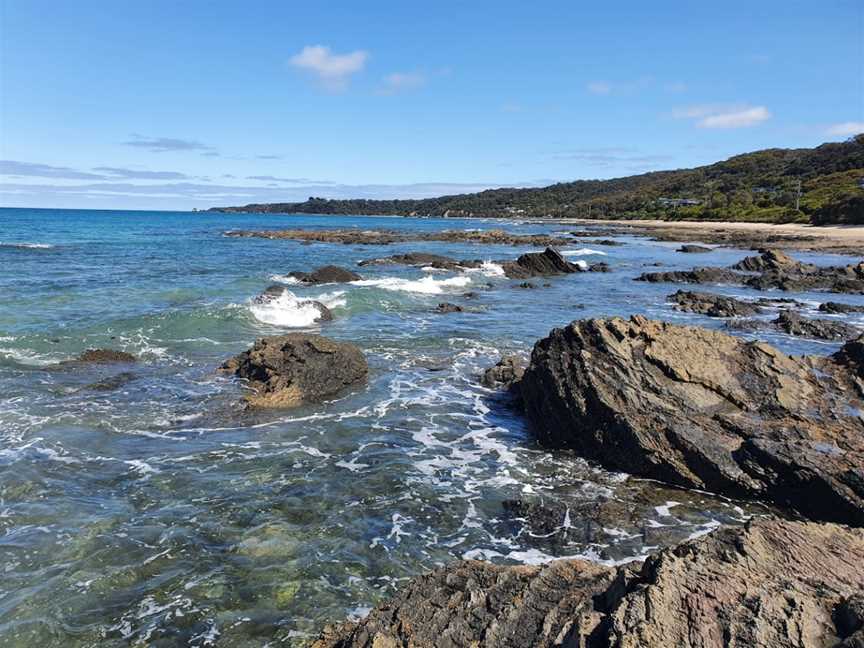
(102,356)
(506,372)
(706,410)
(694,249)
(770,584)
(838,308)
(539,264)
(712,305)
(794,324)
(772,260)
(298,368)
(697,275)
(326,274)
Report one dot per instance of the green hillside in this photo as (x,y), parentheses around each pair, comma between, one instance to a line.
(820,185)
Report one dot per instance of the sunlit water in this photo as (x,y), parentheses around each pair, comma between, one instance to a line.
(157,512)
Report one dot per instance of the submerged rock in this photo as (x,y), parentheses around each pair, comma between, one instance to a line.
(423,259)
(273,293)
(101,356)
(702,409)
(110,383)
(447,307)
(697,275)
(694,249)
(290,370)
(326,274)
(792,323)
(712,305)
(771,584)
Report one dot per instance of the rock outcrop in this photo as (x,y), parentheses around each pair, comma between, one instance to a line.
(839,308)
(539,264)
(437,261)
(506,372)
(794,324)
(386,237)
(447,307)
(712,305)
(771,584)
(702,409)
(694,249)
(326,274)
(776,270)
(290,370)
(102,356)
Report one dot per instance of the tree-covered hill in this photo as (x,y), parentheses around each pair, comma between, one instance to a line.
(820,185)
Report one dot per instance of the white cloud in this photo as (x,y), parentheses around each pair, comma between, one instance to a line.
(600,87)
(333,70)
(845,129)
(400,81)
(724,116)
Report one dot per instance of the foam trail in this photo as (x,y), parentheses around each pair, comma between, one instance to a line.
(288,311)
(27,246)
(426,285)
(582,252)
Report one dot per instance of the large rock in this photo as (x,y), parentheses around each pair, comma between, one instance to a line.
(539,264)
(326,274)
(712,305)
(837,307)
(771,584)
(290,370)
(772,260)
(702,409)
(697,276)
(506,372)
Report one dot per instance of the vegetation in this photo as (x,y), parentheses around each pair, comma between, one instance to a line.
(820,185)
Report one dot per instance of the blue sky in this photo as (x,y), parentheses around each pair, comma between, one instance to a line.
(175,105)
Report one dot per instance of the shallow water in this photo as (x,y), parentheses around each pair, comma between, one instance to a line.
(150,510)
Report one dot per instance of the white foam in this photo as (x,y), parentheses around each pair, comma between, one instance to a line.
(582,252)
(286,310)
(285,279)
(489,269)
(427,285)
(27,246)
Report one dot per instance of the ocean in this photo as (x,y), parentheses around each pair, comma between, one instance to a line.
(143,506)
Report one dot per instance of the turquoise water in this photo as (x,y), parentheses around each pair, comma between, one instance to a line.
(159,513)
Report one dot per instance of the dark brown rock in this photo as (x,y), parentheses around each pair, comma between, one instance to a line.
(326,274)
(697,275)
(694,249)
(702,409)
(771,584)
(447,307)
(507,371)
(290,370)
(101,356)
(712,305)
(772,260)
(539,264)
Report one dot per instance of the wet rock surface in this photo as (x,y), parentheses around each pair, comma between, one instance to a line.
(712,305)
(290,370)
(326,274)
(702,409)
(102,356)
(772,583)
(839,308)
(423,259)
(447,307)
(505,373)
(794,324)
(539,264)
(694,249)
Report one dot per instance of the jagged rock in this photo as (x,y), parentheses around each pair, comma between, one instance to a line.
(697,275)
(771,584)
(702,409)
(772,260)
(414,259)
(507,371)
(600,266)
(101,356)
(837,307)
(274,292)
(712,305)
(792,323)
(694,249)
(290,370)
(447,307)
(543,264)
(326,274)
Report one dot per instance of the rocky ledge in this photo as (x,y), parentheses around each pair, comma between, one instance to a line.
(776,270)
(325,275)
(773,583)
(702,409)
(290,370)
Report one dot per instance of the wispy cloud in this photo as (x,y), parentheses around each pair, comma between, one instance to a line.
(133,174)
(402,81)
(602,87)
(599,87)
(626,158)
(332,70)
(305,181)
(845,129)
(167,144)
(268,157)
(33,170)
(724,116)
